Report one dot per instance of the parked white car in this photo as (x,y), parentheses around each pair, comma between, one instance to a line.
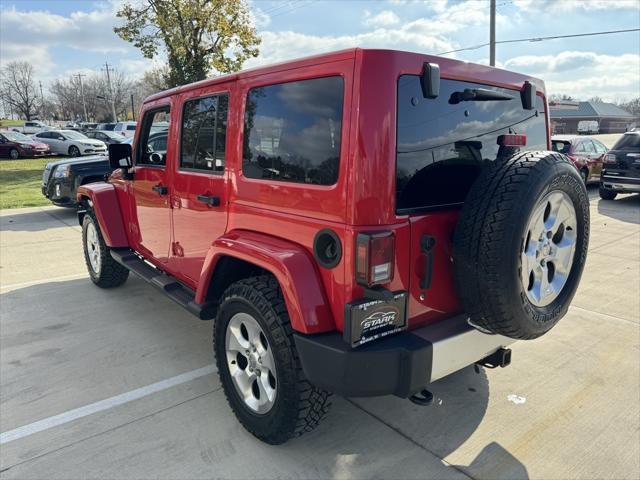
(70,142)
(29,128)
(126,128)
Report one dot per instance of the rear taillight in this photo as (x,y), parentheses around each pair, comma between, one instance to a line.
(512,140)
(609,158)
(375,254)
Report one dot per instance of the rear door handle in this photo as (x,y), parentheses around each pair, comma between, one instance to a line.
(161,189)
(209,200)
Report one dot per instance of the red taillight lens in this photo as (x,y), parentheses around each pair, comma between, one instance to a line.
(375,255)
(609,158)
(512,140)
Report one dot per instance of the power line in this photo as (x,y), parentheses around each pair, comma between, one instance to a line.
(542,39)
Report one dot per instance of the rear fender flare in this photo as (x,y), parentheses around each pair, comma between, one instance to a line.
(103,200)
(289,263)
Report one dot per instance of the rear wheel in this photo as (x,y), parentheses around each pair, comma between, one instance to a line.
(521,243)
(607,194)
(74,151)
(103,269)
(258,363)
(14,154)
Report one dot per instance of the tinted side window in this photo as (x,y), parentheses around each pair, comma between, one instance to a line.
(580,148)
(443,143)
(588,145)
(152,149)
(204,132)
(292,131)
(600,147)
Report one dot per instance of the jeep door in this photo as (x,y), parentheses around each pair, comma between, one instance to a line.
(199,193)
(151,209)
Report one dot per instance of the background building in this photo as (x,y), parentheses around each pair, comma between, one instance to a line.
(610,118)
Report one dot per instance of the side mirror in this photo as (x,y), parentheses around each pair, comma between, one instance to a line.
(120,155)
(528,96)
(430,80)
(61,138)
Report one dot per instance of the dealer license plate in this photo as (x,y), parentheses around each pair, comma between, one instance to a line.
(368,320)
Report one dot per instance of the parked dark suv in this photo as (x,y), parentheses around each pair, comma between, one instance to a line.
(353,223)
(61,179)
(621,172)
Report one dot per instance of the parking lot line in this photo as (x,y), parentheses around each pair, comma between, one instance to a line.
(102,405)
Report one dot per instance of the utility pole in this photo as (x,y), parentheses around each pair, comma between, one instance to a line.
(113,105)
(133,109)
(84,105)
(492,34)
(41,97)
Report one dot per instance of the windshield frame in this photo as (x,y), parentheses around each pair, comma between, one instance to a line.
(73,135)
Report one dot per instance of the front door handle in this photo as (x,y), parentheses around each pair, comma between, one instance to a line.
(161,189)
(209,200)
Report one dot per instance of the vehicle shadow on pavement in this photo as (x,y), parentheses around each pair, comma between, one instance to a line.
(624,208)
(461,401)
(120,339)
(39,220)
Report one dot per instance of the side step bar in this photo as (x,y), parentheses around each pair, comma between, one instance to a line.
(171,287)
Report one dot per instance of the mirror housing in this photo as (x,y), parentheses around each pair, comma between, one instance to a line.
(430,80)
(120,155)
(528,96)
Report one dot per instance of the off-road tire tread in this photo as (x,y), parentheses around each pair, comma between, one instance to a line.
(477,245)
(312,404)
(112,274)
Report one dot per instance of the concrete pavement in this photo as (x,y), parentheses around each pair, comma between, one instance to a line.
(568,406)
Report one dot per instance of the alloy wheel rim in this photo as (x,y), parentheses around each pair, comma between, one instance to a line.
(93,248)
(548,249)
(14,154)
(251,363)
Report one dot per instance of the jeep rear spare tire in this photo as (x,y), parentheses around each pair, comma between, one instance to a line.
(521,244)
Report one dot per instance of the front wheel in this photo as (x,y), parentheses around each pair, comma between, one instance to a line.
(103,269)
(74,151)
(585,175)
(258,363)
(607,194)
(14,154)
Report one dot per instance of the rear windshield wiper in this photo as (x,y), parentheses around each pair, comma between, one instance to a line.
(477,95)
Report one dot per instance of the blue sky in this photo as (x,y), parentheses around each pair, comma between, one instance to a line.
(61,37)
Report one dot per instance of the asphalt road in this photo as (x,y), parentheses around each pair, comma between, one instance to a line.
(120,383)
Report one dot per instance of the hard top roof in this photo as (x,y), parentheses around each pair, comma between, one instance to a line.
(449,68)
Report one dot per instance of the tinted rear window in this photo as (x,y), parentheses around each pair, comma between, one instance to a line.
(292,131)
(628,142)
(441,146)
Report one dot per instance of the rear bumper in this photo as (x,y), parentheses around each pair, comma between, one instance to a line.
(400,365)
(621,184)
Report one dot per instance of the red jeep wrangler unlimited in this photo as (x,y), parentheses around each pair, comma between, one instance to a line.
(363,222)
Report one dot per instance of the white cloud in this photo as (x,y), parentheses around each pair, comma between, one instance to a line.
(279,46)
(571,5)
(33,36)
(583,74)
(259,17)
(383,19)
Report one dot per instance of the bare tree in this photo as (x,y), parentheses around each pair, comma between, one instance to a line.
(67,94)
(18,88)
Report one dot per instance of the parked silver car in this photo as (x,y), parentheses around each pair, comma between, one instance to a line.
(70,142)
